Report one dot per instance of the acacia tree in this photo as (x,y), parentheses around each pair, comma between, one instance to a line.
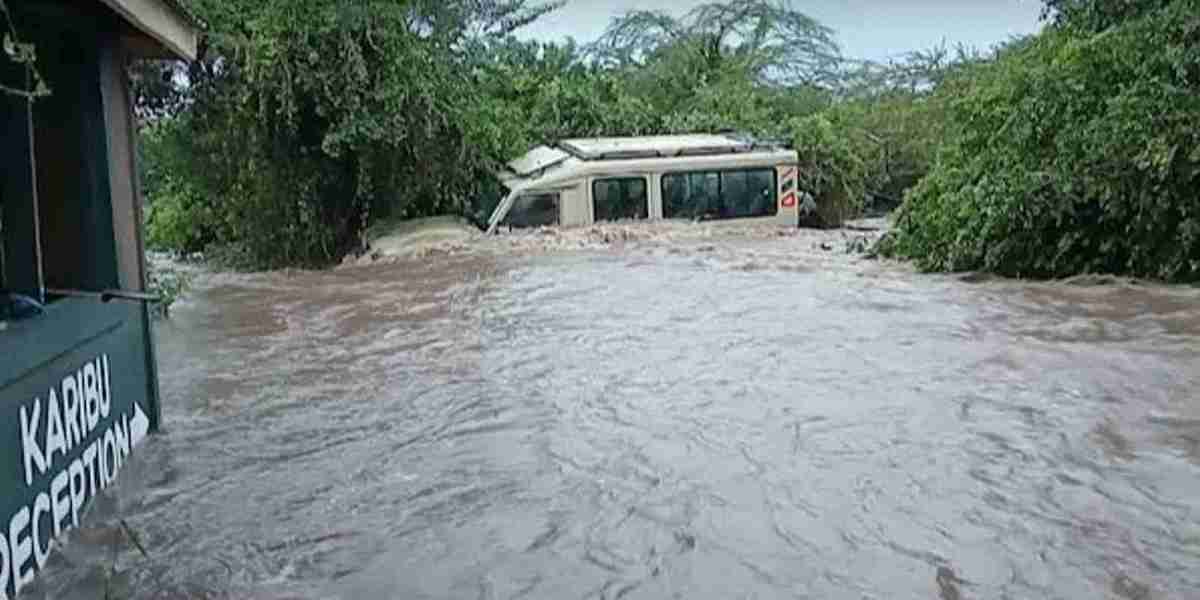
(769,39)
(749,65)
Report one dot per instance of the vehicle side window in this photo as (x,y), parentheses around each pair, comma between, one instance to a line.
(757,196)
(691,195)
(719,194)
(620,198)
(533,210)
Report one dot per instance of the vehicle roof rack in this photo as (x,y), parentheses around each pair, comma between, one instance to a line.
(663,146)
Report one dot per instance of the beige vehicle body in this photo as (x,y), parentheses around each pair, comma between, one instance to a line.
(711,177)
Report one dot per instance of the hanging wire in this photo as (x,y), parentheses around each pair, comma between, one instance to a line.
(33,185)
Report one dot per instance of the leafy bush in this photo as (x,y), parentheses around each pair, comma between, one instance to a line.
(1093,16)
(167,283)
(178,215)
(832,167)
(1077,152)
(172,220)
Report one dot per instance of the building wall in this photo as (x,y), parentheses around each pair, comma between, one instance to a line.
(85,363)
(72,158)
(123,189)
(18,236)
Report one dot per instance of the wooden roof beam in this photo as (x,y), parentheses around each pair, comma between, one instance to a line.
(162,21)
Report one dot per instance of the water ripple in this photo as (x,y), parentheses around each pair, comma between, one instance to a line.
(753,418)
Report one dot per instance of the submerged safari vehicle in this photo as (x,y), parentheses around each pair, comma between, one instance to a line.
(78,387)
(695,177)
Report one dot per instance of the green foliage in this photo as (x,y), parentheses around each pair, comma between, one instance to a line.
(307,119)
(832,168)
(650,74)
(770,40)
(171,220)
(168,283)
(1093,16)
(748,65)
(1074,153)
(735,65)
(178,215)
(532,93)
(865,149)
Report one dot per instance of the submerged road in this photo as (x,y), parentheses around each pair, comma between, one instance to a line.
(751,418)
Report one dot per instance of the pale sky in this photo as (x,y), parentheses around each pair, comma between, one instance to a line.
(866,29)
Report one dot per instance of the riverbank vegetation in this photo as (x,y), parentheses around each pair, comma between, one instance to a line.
(308,121)
(1077,151)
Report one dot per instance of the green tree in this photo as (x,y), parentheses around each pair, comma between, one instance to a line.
(769,39)
(306,119)
(1077,152)
(748,65)
(1094,16)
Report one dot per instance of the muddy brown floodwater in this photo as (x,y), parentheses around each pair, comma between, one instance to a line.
(749,418)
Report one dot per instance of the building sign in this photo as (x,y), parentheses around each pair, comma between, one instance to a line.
(66,429)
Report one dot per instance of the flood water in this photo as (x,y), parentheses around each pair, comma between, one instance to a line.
(754,418)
